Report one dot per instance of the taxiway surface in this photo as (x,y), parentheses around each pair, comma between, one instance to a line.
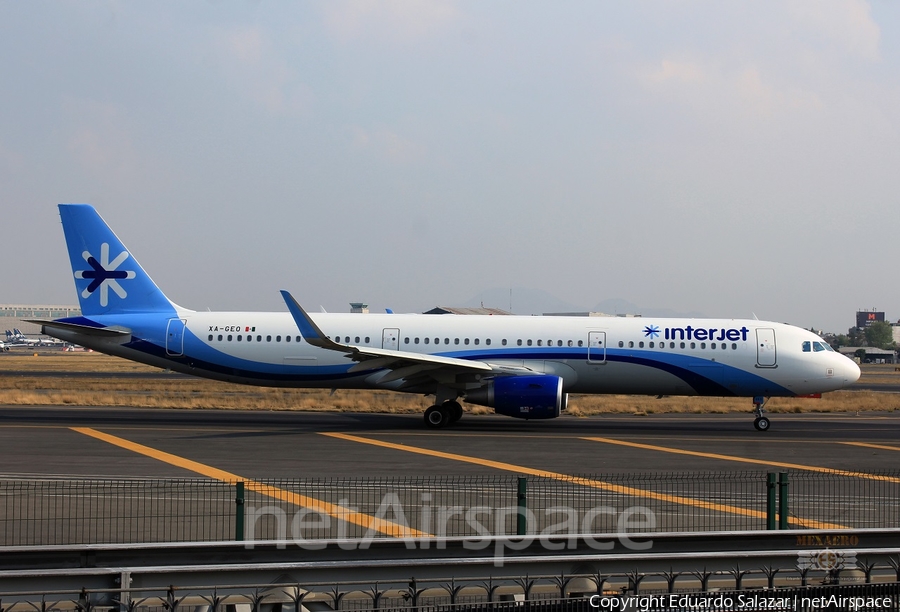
(136,442)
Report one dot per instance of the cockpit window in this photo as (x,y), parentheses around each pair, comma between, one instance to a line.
(816,347)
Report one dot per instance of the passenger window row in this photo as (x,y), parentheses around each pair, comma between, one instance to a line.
(807,346)
(693,345)
(347,339)
(456,341)
(249,338)
(487,342)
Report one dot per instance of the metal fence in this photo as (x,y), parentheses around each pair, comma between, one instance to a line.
(861,501)
(69,511)
(47,512)
(539,594)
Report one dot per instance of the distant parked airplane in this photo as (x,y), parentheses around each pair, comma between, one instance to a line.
(15,338)
(521,366)
(21,338)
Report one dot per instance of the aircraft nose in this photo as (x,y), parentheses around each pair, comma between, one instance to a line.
(851,371)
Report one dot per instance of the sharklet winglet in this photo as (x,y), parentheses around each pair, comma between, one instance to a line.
(316,337)
(308,328)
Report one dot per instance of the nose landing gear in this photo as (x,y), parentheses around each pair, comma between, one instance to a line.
(761,423)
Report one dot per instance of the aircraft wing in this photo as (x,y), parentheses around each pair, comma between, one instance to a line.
(404,365)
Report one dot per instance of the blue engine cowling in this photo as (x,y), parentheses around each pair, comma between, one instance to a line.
(523,397)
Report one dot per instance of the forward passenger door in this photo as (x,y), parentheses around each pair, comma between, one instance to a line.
(766,354)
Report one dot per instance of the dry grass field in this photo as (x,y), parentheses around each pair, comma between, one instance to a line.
(24,381)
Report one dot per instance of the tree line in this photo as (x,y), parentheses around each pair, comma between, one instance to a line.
(879,334)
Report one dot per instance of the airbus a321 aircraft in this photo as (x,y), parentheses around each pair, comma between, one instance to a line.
(522,366)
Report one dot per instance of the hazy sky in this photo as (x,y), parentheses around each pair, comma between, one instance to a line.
(727,158)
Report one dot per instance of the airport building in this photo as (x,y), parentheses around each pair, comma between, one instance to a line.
(589,314)
(872,354)
(465,310)
(11,316)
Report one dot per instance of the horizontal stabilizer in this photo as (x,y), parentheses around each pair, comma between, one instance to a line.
(47,327)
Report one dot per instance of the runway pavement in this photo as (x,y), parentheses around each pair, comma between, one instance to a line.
(133,442)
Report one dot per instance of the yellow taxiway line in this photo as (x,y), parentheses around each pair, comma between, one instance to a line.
(870,445)
(781,464)
(339,512)
(587,482)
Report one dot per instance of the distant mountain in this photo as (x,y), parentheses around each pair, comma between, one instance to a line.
(537,301)
(524,301)
(620,306)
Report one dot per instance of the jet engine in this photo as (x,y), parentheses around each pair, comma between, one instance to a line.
(523,397)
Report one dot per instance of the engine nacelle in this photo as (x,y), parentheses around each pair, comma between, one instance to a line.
(523,397)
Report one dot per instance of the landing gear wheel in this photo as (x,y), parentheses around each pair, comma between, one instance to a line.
(436,417)
(761,424)
(454,410)
(759,407)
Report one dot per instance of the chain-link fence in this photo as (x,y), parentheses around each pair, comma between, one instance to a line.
(46,512)
(75,511)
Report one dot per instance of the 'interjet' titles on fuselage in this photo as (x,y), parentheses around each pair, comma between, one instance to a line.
(710,334)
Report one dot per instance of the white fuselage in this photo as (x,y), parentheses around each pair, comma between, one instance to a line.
(723,357)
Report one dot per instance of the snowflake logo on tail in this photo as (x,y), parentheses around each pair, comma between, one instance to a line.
(651,331)
(104,275)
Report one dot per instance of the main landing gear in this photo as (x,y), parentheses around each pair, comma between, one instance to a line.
(445,414)
(761,423)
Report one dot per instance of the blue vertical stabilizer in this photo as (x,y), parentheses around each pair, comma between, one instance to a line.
(108,278)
